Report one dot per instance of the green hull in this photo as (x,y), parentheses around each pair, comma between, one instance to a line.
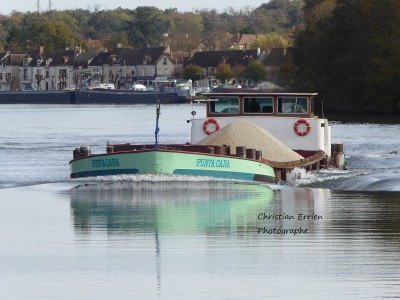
(171,162)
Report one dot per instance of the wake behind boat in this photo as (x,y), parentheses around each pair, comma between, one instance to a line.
(245,136)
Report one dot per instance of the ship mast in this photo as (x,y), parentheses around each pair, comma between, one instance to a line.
(158,112)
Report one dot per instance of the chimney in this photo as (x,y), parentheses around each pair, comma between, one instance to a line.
(41,50)
(217,45)
(167,48)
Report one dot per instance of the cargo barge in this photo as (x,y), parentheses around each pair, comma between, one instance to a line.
(287,116)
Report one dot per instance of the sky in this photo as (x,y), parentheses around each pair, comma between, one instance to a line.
(182,5)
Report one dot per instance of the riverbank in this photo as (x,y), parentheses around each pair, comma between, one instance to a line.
(91,97)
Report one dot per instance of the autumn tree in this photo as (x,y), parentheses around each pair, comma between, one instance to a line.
(146,25)
(277,16)
(214,34)
(187,33)
(193,72)
(348,53)
(239,72)
(224,72)
(270,41)
(111,41)
(143,28)
(51,35)
(255,71)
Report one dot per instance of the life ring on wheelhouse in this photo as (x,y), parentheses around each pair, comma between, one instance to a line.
(300,129)
(207,122)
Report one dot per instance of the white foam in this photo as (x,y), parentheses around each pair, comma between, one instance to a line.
(154,178)
(302,177)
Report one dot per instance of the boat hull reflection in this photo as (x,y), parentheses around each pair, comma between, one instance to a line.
(174,207)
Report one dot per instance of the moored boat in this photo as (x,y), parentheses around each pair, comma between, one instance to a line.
(96,96)
(287,116)
(105,93)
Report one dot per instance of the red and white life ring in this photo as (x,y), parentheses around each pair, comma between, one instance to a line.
(302,127)
(207,122)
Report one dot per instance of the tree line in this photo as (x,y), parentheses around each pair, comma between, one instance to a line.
(144,26)
(348,51)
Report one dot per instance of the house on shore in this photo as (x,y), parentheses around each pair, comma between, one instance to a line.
(9,71)
(241,41)
(123,66)
(70,69)
(210,60)
(45,71)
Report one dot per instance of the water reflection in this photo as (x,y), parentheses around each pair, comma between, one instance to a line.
(215,208)
(172,207)
(368,215)
(210,230)
(197,207)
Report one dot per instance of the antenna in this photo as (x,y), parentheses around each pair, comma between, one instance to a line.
(50,4)
(38,5)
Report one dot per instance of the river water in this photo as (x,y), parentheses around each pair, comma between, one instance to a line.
(330,235)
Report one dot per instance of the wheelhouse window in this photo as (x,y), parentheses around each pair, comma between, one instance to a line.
(258,105)
(292,105)
(225,105)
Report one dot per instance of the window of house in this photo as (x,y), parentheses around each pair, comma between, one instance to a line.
(25,74)
(164,61)
(292,105)
(47,74)
(63,71)
(3,64)
(258,105)
(1,76)
(25,62)
(225,105)
(8,76)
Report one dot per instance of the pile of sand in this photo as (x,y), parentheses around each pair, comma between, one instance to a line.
(244,133)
